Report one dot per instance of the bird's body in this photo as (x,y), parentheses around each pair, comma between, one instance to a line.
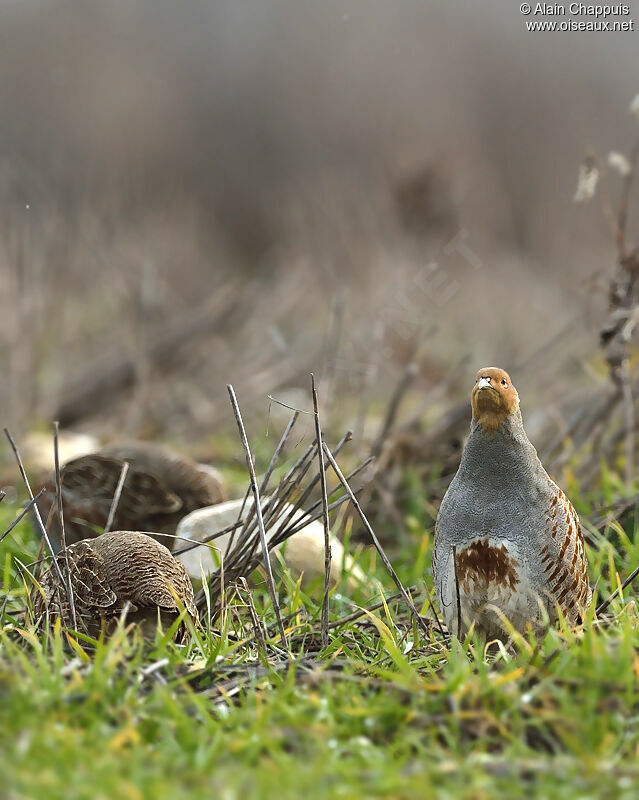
(159,489)
(116,573)
(508,543)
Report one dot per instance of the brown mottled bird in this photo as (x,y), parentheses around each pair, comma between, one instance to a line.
(518,545)
(113,573)
(160,488)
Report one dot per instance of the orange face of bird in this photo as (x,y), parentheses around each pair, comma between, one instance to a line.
(493,398)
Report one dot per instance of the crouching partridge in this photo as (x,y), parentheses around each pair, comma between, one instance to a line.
(160,488)
(114,574)
(508,543)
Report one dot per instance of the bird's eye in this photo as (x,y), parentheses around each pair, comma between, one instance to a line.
(504,382)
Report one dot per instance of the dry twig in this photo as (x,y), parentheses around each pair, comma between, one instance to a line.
(36,511)
(23,513)
(327,540)
(116,496)
(63,539)
(623,296)
(375,540)
(258,511)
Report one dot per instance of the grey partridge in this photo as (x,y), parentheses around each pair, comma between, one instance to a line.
(160,488)
(114,573)
(508,543)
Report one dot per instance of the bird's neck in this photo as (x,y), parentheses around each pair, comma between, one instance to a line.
(506,452)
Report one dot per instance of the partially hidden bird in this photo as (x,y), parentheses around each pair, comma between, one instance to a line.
(509,550)
(160,487)
(120,574)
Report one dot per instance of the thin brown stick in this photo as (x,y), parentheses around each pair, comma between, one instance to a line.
(258,512)
(375,540)
(279,519)
(222,594)
(193,543)
(305,495)
(285,517)
(327,533)
(273,507)
(23,513)
(617,331)
(286,486)
(363,611)
(432,608)
(267,476)
(278,451)
(286,405)
(116,497)
(312,513)
(603,606)
(63,537)
(36,510)
(240,523)
(257,628)
(629,424)
(248,542)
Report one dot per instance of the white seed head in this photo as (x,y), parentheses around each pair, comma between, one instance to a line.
(586,183)
(619,163)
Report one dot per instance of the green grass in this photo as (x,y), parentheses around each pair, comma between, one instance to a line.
(384,712)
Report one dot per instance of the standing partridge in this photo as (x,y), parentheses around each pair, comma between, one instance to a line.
(115,573)
(160,488)
(508,543)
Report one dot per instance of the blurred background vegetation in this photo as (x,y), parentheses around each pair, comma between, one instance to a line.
(243,192)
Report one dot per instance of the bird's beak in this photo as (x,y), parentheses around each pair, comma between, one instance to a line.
(484,383)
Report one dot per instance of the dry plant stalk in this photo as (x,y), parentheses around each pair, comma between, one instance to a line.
(623,293)
(116,497)
(604,605)
(36,512)
(23,513)
(375,541)
(258,512)
(283,511)
(63,538)
(327,539)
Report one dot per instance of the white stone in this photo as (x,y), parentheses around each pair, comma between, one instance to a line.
(37,448)
(303,552)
